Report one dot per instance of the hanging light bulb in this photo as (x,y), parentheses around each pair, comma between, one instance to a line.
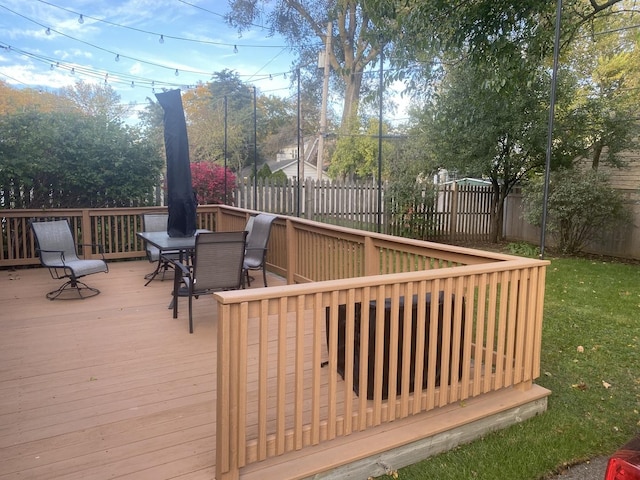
(270,77)
(52,66)
(80,19)
(106,77)
(235,49)
(177,73)
(161,40)
(117,57)
(73,71)
(48,31)
(132,84)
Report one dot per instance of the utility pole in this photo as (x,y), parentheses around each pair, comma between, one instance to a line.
(325,94)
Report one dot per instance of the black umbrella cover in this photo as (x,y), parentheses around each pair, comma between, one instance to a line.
(180,196)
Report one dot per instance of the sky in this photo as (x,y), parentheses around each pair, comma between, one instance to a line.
(137,46)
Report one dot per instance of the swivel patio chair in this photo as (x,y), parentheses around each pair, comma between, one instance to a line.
(216,265)
(157,222)
(257,242)
(57,250)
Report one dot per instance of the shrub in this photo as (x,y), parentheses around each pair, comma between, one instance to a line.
(581,207)
(208,180)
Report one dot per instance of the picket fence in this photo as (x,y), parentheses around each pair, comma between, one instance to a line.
(454,213)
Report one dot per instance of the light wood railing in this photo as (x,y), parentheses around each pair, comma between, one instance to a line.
(273,393)
(275,396)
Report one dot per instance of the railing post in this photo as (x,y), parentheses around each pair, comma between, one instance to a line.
(292,251)
(88,235)
(227,424)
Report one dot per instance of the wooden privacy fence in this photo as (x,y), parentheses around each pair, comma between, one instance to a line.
(482,334)
(451,213)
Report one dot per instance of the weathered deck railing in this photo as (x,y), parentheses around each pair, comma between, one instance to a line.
(484,336)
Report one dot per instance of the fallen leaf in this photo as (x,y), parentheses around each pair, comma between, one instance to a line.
(605,384)
(580,386)
(580,349)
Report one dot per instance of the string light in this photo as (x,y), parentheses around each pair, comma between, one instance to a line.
(132,84)
(161,40)
(106,77)
(48,31)
(177,73)
(80,19)
(235,49)
(117,57)
(73,71)
(51,67)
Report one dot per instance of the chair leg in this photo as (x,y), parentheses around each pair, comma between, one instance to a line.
(150,276)
(190,314)
(81,288)
(264,275)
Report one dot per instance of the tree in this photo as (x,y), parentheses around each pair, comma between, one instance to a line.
(481,132)
(355,43)
(14,100)
(356,154)
(96,100)
(581,207)
(604,59)
(71,160)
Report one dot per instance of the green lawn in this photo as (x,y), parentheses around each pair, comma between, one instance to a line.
(589,361)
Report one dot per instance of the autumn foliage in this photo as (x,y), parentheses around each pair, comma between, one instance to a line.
(208,180)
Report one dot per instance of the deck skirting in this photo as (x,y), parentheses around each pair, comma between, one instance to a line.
(404,442)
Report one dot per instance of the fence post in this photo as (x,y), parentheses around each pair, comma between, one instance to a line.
(309,194)
(453,227)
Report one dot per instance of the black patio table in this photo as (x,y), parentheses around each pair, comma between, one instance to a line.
(163,242)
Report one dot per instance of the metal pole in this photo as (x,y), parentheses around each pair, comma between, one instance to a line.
(255,151)
(226,200)
(381,85)
(299,170)
(554,79)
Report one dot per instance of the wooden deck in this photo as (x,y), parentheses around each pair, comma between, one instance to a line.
(110,386)
(114,387)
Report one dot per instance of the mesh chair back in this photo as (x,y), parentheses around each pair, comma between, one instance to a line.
(55,236)
(257,240)
(218,260)
(154,222)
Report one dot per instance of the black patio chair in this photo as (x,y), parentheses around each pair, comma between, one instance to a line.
(257,242)
(216,265)
(157,222)
(57,251)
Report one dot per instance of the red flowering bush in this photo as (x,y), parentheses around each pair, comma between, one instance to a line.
(208,183)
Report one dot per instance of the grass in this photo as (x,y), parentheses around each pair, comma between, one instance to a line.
(589,361)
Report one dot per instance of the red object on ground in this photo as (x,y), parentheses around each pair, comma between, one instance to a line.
(624,464)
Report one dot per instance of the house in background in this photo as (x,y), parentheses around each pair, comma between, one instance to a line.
(287,161)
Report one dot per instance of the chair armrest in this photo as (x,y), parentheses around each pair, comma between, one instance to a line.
(185,269)
(61,252)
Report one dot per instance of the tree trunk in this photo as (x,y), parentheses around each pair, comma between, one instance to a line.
(597,152)
(353,82)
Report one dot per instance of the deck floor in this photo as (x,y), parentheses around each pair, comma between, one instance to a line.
(107,387)
(114,387)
